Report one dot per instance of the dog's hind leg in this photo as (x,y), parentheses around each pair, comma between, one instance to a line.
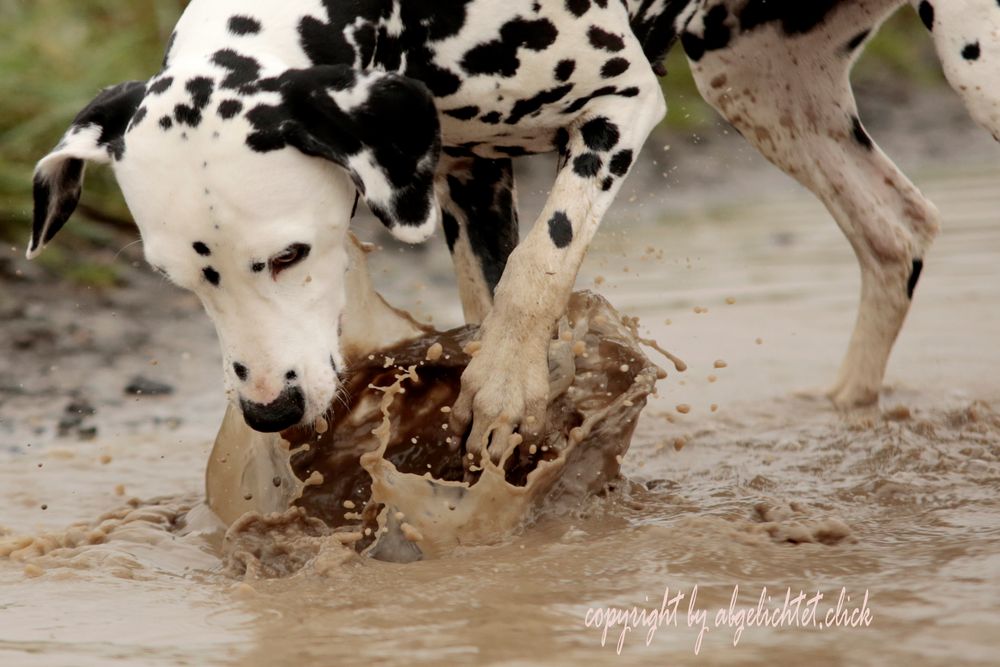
(780,75)
(967,36)
(479,215)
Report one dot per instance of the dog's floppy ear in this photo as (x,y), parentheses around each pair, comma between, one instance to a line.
(96,135)
(381,127)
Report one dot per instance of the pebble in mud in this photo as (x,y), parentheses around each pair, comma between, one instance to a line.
(719,363)
(142,386)
(434,352)
(683,408)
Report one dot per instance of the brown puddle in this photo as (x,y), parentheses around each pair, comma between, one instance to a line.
(385,473)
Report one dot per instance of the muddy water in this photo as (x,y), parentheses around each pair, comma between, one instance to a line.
(771,489)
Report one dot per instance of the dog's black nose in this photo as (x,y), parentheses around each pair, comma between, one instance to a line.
(285,412)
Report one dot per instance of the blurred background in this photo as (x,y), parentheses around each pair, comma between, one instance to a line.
(56,54)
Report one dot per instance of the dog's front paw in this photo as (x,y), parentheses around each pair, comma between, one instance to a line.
(505,392)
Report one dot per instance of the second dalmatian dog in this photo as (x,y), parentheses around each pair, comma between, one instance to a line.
(242,159)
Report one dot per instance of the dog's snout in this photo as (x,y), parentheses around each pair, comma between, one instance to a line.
(285,412)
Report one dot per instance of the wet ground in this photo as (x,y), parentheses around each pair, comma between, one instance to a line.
(759,484)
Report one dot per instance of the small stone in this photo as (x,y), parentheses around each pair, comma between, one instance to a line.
(142,386)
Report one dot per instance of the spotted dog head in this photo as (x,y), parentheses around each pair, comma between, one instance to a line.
(242,185)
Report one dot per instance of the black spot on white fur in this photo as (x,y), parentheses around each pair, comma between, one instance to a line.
(242,70)
(201,249)
(161,85)
(230,109)
(600,134)
(614,67)
(212,276)
(587,165)
(200,89)
(621,163)
(971,51)
(244,25)
(560,230)
(528,106)
(602,39)
(578,7)
(565,68)
(499,57)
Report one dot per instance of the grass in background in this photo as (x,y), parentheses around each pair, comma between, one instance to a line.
(55,55)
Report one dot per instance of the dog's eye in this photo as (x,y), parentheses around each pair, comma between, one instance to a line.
(289,258)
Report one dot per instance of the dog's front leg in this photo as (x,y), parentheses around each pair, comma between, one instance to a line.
(505,387)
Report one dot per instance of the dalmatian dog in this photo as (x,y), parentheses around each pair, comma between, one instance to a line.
(243,159)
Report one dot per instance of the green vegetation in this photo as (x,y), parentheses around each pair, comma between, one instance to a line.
(55,55)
